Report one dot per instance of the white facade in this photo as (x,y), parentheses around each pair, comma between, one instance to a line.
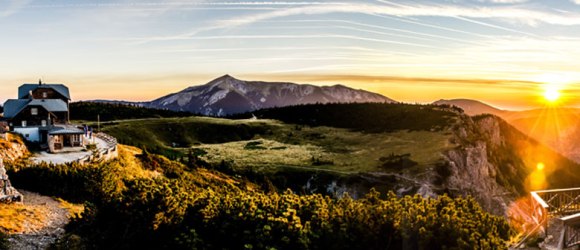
(30,134)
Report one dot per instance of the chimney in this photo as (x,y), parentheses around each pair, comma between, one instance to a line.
(39,81)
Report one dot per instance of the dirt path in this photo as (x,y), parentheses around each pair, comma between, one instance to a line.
(55,218)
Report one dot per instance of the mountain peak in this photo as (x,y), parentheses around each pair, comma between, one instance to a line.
(228,95)
(227,77)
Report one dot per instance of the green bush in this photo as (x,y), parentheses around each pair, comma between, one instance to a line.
(200,209)
(3,241)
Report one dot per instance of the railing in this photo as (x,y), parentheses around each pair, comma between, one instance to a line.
(559,202)
(564,203)
(103,154)
(571,232)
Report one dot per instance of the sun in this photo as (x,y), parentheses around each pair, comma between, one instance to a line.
(552,85)
(551,92)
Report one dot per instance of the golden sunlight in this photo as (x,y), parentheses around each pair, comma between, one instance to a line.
(551,92)
(552,85)
(540,166)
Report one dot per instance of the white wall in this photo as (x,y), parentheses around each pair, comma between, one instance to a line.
(33,133)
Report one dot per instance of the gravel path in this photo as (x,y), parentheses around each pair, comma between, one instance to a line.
(56,219)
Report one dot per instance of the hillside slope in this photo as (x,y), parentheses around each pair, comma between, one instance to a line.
(228,95)
(354,147)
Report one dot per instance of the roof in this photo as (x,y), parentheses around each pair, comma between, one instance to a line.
(65,130)
(27,87)
(51,105)
(13,106)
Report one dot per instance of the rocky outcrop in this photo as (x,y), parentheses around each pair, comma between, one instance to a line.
(485,164)
(12,147)
(8,194)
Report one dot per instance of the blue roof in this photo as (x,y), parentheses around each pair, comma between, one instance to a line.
(51,105)
(27,87)
(13,107)
(63,130)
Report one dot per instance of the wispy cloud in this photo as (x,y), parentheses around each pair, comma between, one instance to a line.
(505,1)
(520,15)
(13,6)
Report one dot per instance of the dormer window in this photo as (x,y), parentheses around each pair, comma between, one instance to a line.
(44,95)
(24,124)
(34,111)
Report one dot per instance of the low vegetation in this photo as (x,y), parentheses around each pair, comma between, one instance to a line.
(16,218)
(143,200)
(3,241)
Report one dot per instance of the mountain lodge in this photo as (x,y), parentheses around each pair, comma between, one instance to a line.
(41,115)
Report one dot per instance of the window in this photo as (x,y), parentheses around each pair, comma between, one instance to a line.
(43,123)
(34,111)
(23,123)
(44,95)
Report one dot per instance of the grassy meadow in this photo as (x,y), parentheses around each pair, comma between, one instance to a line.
(267,145)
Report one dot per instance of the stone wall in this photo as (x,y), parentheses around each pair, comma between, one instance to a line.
(8,194)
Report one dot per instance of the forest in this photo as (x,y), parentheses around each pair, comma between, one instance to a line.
(367,117)
(88,111)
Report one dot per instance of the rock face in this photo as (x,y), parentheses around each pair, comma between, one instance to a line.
(470,170)
(228,95)
(487,159)
(8,194)
(12,148)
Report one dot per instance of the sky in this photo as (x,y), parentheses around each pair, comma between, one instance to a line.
(503,52)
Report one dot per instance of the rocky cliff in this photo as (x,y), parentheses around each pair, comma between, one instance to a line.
(470,171)
(496,164)
(488,160)
(8,194)
(11,148)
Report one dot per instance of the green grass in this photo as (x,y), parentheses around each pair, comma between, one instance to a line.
(270,145)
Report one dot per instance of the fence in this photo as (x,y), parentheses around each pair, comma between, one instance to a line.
(102,154)
(563,204)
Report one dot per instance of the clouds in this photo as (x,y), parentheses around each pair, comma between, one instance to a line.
(435,42)
(12,6)
(505,1)
(520,15)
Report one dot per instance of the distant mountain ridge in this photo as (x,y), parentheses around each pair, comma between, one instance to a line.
(472,107)
(227,95)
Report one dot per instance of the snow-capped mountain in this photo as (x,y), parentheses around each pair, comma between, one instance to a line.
(228,95)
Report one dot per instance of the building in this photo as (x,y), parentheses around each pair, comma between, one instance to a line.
(41,115)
